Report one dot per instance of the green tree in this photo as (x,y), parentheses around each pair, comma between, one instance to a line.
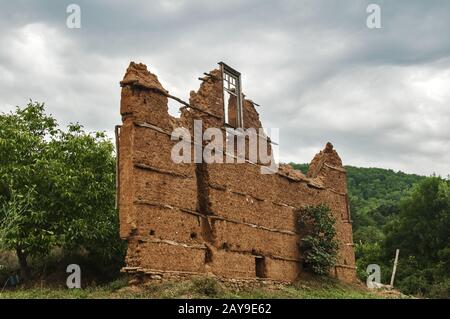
(57,188)
(422,228)
(422,233)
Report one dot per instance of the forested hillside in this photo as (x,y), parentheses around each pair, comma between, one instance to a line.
(374,196)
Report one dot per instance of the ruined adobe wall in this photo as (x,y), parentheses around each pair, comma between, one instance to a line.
(228,220)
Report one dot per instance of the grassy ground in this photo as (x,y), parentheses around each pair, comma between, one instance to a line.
(200,288)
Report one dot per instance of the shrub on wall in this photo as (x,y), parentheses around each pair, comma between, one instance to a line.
(318,247)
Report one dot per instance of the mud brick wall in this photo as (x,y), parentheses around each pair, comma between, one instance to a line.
(227,220)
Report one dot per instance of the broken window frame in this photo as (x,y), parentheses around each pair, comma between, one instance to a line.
(231,77)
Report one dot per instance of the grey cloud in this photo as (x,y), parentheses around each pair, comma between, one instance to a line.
(318,72)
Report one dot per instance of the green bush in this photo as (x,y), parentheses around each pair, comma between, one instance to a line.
(440,289)
(370,253)
(414,284)
(206,286)
(318,247)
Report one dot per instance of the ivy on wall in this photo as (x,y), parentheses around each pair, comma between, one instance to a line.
(319,246)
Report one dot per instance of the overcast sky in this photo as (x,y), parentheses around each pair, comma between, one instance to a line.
(381,96)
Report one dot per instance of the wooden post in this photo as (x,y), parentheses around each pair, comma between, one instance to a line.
(117,134)
(397,251)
